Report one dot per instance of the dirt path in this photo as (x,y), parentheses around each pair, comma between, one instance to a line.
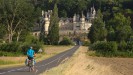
(81,64)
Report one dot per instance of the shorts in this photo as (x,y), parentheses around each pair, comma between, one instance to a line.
(30,58)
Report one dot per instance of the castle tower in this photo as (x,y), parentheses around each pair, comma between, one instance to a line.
(88,15)
(46,24)
(74,18)
(74,22)
(93,12)
(42,13)
(82,22)
(49,13)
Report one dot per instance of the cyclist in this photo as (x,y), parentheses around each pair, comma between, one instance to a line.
(31,55)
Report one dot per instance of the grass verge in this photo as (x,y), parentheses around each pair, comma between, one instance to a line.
(111,54)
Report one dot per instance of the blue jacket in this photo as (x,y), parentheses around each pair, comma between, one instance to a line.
(30,53)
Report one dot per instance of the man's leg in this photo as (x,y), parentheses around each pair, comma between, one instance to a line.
(34,69)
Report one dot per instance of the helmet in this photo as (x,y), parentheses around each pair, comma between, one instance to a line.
(31,47)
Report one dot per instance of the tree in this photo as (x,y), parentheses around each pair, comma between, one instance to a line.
(66,41)
(81,5)
(111,34)
(2,31)
(98,31)
(17,15)
(67,5)
(72,6)
(63,13)
(121,27)
(53,34)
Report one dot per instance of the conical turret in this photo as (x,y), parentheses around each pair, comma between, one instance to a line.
(74,18)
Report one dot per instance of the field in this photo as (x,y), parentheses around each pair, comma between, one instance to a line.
(82,64)
(49,52)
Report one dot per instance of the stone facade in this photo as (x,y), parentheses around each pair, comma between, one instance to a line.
(73,27)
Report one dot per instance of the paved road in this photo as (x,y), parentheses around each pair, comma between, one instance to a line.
(41,66)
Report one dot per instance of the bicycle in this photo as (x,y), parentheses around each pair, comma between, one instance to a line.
(31,66)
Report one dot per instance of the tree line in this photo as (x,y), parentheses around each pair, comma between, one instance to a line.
(67,8)
(111,33)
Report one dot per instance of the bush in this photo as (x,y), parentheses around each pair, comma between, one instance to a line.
(1,41)
(36,47)
(86,43)
(122,46)
(130,46)
(25,48)
(10,53)
(124,54)
(105,48)
(16,48)
(31,41)
(19,47)
(66,41)
(30,38)
(11,47)
(131,38)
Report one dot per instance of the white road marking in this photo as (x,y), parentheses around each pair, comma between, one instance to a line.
(56,59)
(14,70)
(3,73)
(20,68)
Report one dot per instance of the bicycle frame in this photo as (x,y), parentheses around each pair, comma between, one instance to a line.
(30,65)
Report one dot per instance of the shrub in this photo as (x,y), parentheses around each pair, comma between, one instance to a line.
(36,47)
(31,41)
(25,47)
(2,53)
(14,48)
(130,46)
(29,38)
(19,47)
(122,46)
(105,48)
(1,41)
(66,41)
(131,38)
(86,43)
(124,54)
(10,47)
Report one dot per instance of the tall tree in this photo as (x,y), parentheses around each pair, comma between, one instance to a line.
(121,27)
(53,34)
(2,31)
(98,31)
(17,15)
